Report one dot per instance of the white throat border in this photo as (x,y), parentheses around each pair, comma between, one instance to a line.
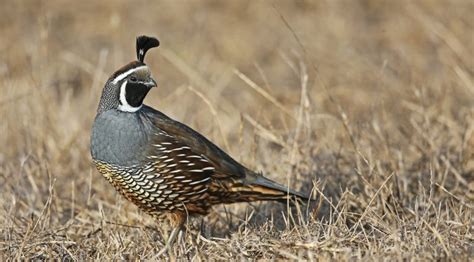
(124,106)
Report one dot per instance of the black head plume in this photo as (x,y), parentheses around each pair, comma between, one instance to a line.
(144,43)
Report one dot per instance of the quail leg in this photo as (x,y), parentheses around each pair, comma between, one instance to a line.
(177,221)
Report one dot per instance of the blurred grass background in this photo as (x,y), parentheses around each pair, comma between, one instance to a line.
(370,101)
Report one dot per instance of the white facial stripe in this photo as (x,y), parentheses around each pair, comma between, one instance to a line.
(127,73)
(124,106)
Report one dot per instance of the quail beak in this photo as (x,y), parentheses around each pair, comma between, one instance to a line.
(151,83)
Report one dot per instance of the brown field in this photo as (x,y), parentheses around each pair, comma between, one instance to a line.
(369,104)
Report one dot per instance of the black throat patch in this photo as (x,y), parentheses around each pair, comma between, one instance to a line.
(135,93)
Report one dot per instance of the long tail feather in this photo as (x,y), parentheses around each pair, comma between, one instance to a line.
(272,186)
(261,188)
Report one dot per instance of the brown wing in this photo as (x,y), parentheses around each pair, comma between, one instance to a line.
(226,166)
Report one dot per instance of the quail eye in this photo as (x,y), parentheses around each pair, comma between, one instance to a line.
(133,79)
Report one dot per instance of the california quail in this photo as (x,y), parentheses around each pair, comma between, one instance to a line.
(161,165)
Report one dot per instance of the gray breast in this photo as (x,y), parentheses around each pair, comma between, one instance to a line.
(120,138)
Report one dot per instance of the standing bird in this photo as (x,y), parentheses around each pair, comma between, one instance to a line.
(163,166)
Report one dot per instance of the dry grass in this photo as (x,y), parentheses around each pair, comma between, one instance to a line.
(370,102)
